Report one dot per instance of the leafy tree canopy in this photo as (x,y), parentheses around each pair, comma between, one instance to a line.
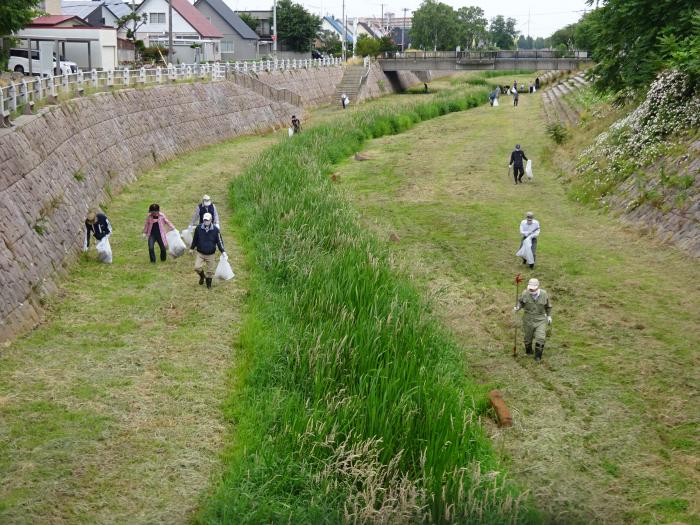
(367,46)
(632,40)
(296,27)
(132,22)
(15,14)
(472,26)
(502,32)
(249,20)
(435,26)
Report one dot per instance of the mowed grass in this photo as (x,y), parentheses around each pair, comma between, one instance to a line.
(606,428)
(110,411)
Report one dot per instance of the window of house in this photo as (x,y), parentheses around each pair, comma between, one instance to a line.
(156,18)
(227,47)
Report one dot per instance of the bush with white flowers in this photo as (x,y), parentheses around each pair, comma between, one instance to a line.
(671,107)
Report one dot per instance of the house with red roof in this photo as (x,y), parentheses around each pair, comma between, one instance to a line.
(194,37)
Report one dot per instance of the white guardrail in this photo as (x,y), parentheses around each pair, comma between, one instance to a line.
(23,95)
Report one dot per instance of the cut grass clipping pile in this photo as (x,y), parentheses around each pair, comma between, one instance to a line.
(352,403)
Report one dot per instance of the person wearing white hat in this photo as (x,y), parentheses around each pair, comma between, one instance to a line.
(530,228)
(206,206)
(206,239)
(538,314)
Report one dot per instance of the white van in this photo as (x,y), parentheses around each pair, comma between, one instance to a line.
(19,63)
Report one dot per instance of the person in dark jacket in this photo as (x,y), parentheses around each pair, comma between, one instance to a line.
(296,126)
(206,239)
(516,161)
(96,224)
(206,206)
(537,83)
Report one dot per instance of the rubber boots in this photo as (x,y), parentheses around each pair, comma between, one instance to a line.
(201,277)
(539,348)
(528,349)
(209,282)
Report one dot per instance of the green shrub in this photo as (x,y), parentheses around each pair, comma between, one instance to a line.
(558,132)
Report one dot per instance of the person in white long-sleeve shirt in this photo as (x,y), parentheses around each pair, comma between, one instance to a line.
(530,228)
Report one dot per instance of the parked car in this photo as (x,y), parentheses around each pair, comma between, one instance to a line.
(19,63)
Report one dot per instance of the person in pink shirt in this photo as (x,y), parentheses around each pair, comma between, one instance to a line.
(155,230)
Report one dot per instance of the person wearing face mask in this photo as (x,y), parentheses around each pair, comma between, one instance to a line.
(530,229)
(155,231)
(206,206)
(206,239)
(538,314)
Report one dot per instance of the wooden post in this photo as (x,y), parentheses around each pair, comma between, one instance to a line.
(502,413)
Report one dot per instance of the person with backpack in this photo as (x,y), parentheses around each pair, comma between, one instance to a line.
(206,206)
(516,161)
(155,231)
(96,224)
(206,239)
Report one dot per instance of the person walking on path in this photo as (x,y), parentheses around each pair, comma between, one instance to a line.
(516,161)
(538,314)
(96,224)
(206,206)
(530,229)
(516,96)
(537,84)
(207,238)
(155,230)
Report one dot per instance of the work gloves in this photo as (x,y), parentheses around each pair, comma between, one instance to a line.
(549,319)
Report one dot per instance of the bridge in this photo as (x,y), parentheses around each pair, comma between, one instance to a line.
(536,60)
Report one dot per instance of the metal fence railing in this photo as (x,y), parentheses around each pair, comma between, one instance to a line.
(486,55)
(22,96)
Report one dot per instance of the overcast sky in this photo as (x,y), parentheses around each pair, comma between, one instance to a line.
(546,16)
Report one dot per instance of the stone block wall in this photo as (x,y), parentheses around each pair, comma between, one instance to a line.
(56,165)
(315,86)
(379,83)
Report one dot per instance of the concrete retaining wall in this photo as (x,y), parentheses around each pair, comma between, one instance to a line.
(314,86)
(56,165)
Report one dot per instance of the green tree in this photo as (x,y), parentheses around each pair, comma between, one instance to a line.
(435,26)
(502,32)
(367,46)
(683,53)
(626,38)
(15,14)
(296,27)
(249,20)
(564,36)
(386,45)
(330,43)
(472,26)
(132,22)
(526,42)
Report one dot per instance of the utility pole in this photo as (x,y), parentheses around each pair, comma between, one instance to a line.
(403,32)
(383,27)
(274,29)
(345,34)
(528,23)
(170,31)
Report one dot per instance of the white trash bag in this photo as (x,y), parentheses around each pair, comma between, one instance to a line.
(223,269)
(528,169)
(187,234)
(290,131)
(175,245)
(495,101)
(104,250)
(525,251)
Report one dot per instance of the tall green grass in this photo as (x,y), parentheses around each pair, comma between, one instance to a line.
(351,402)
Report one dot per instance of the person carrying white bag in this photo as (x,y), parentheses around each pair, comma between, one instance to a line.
(530,231)
(528,170)
(207,238)
(97,224)
(223,269)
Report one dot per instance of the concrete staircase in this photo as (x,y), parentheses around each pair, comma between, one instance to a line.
(350,84)
(555,107)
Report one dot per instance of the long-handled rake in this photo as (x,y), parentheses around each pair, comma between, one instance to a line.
(518,280)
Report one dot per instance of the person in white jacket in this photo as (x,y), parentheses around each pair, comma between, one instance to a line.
(530,228)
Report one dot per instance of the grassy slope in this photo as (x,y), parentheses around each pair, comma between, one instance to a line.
(110,411)
(606,427)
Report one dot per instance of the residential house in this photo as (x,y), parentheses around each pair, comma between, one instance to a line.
(97,13)
(194,37)
(335,26)
(363,28)
(239,41)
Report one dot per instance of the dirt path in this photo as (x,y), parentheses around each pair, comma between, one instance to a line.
(110,412)
(606,428)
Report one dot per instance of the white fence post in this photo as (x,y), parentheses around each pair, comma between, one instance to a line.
(12,95)
(51,86)
(142,75)
(126,77)
(110,78)
(159,75)
(81,82)
(38,89)
(64,82)
(94,78)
